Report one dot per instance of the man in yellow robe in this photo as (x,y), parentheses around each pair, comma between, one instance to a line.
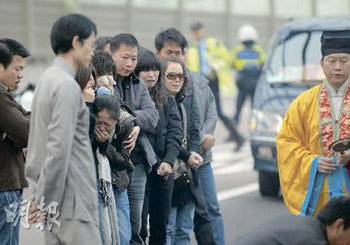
(310,172)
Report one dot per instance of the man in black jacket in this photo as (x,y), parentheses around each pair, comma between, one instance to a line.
(332,226)
(124,48)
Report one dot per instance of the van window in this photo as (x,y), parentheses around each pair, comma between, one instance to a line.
(296,59)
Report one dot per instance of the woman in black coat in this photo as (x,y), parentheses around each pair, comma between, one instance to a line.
(166,141)
(175,82)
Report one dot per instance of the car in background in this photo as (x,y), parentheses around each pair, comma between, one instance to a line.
(293,66)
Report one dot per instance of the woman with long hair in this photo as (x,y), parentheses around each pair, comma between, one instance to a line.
(175,81)
(166,141)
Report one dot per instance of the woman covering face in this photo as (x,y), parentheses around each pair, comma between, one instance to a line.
(107,110)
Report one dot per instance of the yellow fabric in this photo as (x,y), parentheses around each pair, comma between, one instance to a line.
(239,63)
(298,143)
(218,58)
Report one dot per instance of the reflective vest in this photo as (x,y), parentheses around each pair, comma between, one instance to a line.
(242,55)
(218,58)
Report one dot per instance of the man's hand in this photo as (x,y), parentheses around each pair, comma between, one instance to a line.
(101,136)
(35,215)
(207,143)
(211,74)
(89,95)
(164,169)
(326,165)
(195,160)
(343,158)
(130,143)
(107,82)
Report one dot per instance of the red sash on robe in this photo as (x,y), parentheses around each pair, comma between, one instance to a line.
(327,120)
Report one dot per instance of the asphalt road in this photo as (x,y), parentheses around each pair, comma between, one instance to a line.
(240,201)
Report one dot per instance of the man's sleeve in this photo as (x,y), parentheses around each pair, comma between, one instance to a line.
(195,124)
(61,130)
(211,115)
(147,116)
(262,55)
(223,53)
(14,122)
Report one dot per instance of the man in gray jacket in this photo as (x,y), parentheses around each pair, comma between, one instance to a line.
(209,117)
(60,166)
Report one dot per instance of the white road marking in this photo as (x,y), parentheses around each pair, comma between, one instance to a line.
(244,166)
(228,162)
(238,191)
(230,156)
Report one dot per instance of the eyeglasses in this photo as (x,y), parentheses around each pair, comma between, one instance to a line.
(173,76)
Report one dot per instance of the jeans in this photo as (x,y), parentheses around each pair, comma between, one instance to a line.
(123,214)
(10,213)
(159,206)
(136,194)
(180,225)
(100,217)
(207,182)
(203,228)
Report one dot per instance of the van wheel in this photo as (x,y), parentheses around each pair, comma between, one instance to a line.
(269,183)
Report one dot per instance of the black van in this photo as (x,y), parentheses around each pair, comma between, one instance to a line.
(293,66)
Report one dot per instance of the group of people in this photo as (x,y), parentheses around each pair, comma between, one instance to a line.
(118,142)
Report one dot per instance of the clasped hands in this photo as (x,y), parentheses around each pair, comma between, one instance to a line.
(327,165)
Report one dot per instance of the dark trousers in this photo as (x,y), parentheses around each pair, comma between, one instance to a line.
(242,95)
(144,229)
(229,124)
(159,207)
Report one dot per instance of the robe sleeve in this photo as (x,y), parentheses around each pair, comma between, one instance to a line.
(297,164)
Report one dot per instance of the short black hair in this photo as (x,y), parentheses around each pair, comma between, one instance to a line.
(170,35)
(196,26)
(15,47)
(66,28)
(10,48)
(101,42)
(103,63)
(107,102)
(147,61)
(336,208)
(123,38)
(5,55)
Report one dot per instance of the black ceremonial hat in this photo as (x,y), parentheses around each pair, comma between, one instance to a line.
(333,42)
